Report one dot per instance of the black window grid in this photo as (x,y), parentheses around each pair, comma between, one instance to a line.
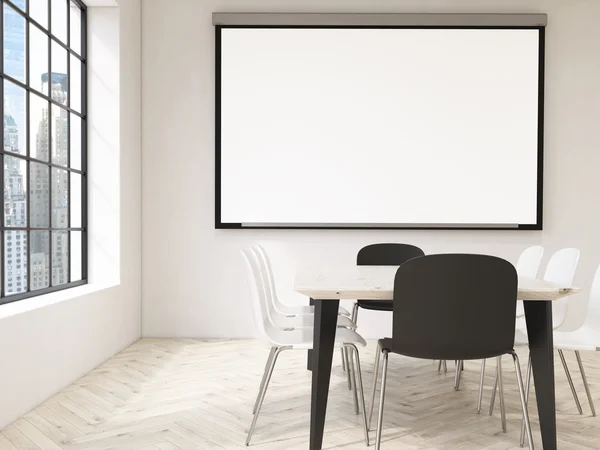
(50,164)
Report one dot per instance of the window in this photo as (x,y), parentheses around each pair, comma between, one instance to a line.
(43,160)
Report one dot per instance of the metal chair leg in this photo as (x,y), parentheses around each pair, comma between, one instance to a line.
(351,371)
(375,372)
(527,384)
(381,400)
(440,366)
(343,359)
(493,398)
(445,366)
(457,375)
(361,392)
(480,395)
(570,380)
(523,400)
(501,394)
(585,383)
(264,377)
(353,318)
(347,356)
(263,393)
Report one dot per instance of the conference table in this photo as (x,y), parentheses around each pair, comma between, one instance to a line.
(328,285)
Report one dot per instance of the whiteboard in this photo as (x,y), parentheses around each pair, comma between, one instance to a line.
(378,127)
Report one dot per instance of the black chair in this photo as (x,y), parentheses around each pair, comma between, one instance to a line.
(453,307)
(383,255)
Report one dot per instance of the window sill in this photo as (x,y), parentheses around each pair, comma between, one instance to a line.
(41,301)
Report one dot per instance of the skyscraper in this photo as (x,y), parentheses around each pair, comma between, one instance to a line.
(40,206)
(57,120)
(42,264)
(15,212)
(60,180)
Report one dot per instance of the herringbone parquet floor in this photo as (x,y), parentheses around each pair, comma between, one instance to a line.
(198,394)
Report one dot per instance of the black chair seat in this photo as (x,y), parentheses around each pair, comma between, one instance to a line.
(385,344)
(376,305)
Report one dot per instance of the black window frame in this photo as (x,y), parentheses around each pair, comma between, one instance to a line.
(81,56)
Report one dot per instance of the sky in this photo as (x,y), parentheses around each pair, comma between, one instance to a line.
(38,46)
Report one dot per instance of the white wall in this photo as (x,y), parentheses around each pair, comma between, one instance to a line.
(193,281)
(46,348)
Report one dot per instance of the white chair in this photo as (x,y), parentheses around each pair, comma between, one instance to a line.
(302,315)
(560,270)
(528,265)
(284,315)
(289,339)
(585,337)
(290,321)
(282,308)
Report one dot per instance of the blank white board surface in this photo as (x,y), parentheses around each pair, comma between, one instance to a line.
(378,126)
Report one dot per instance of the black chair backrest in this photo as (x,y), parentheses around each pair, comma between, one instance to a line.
(387,254)
(455,306)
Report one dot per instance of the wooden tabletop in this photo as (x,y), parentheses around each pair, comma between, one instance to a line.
(377,283)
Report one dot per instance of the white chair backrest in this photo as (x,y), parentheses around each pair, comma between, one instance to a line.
(528,265)
(260,310)
(593,309)
(268,274)
(529,261)
(561,270)
(276,316)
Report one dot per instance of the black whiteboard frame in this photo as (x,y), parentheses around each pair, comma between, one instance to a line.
(219,224)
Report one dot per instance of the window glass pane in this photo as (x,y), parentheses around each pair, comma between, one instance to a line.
(59,74)
(59,19)
(60,257)
(46,200)
(14,44)
(75,200)
(15,262)
(39,248)
(15,191)
(38,9)
(75,125)
(38,60)
(38,127)
(14,119)
(60,198)
(75,75)
(39,195)
(60,135)
(19,3)
(75,36)
(76,253)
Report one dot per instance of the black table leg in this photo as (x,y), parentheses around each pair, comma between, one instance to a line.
(309,357)
(538,315)
(326,312)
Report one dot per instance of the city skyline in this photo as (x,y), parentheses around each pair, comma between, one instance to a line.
(43,260)
(15,205)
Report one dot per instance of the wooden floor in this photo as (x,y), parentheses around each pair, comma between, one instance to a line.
(198,394)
